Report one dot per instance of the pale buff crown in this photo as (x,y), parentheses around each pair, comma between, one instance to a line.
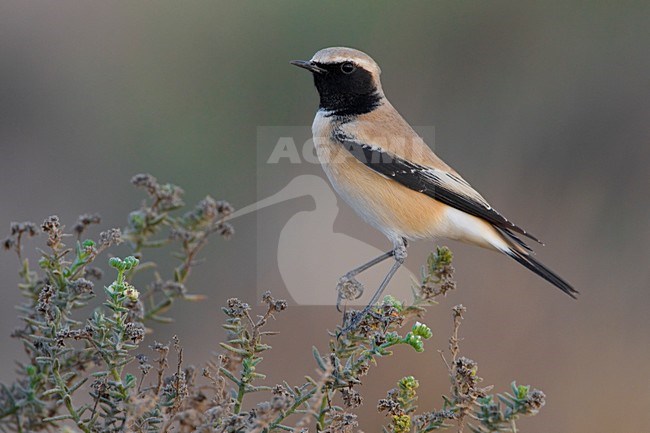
(344,54)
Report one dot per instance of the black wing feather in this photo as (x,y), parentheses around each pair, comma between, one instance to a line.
(423,179)
(529,262)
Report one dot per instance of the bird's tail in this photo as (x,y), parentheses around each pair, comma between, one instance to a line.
(514,247)
(526,259)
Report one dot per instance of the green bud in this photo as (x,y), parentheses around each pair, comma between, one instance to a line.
(130,262)
(444,255)
(522,391)
(117,263)
(422,330)
(401,423)
(415,341)
(408,383)
(393,337)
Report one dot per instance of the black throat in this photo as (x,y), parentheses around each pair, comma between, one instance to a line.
(346,94)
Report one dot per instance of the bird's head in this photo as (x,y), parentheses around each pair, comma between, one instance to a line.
(347,80)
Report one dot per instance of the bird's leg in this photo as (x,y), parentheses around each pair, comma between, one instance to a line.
(370,264)
(348,286)
(400,256)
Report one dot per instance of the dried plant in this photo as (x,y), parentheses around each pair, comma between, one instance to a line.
(96,374)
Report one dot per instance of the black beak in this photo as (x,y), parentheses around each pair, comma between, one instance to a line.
(309,66)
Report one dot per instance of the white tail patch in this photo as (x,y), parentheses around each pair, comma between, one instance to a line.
(470,229)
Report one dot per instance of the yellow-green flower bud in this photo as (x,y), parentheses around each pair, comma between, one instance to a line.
(401,423)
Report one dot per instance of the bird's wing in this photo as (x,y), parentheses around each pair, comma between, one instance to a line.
(441,185)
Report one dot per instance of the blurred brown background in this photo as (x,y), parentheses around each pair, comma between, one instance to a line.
(543,106)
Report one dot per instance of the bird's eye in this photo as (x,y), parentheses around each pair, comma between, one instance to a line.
(348,68)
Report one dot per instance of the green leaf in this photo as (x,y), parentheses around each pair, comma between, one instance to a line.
(506,401)
(319,359)
(129,381)
(234,349)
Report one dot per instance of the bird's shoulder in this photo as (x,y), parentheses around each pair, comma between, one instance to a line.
(385,129)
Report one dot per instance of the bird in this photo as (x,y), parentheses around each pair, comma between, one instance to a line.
(393,180)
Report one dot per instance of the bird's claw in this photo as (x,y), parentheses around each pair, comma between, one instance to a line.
(348,289)
(399,253)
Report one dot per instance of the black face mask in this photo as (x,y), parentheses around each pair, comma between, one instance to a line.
(346,89)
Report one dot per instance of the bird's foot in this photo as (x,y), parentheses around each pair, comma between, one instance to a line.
(399,253)
(348,289)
